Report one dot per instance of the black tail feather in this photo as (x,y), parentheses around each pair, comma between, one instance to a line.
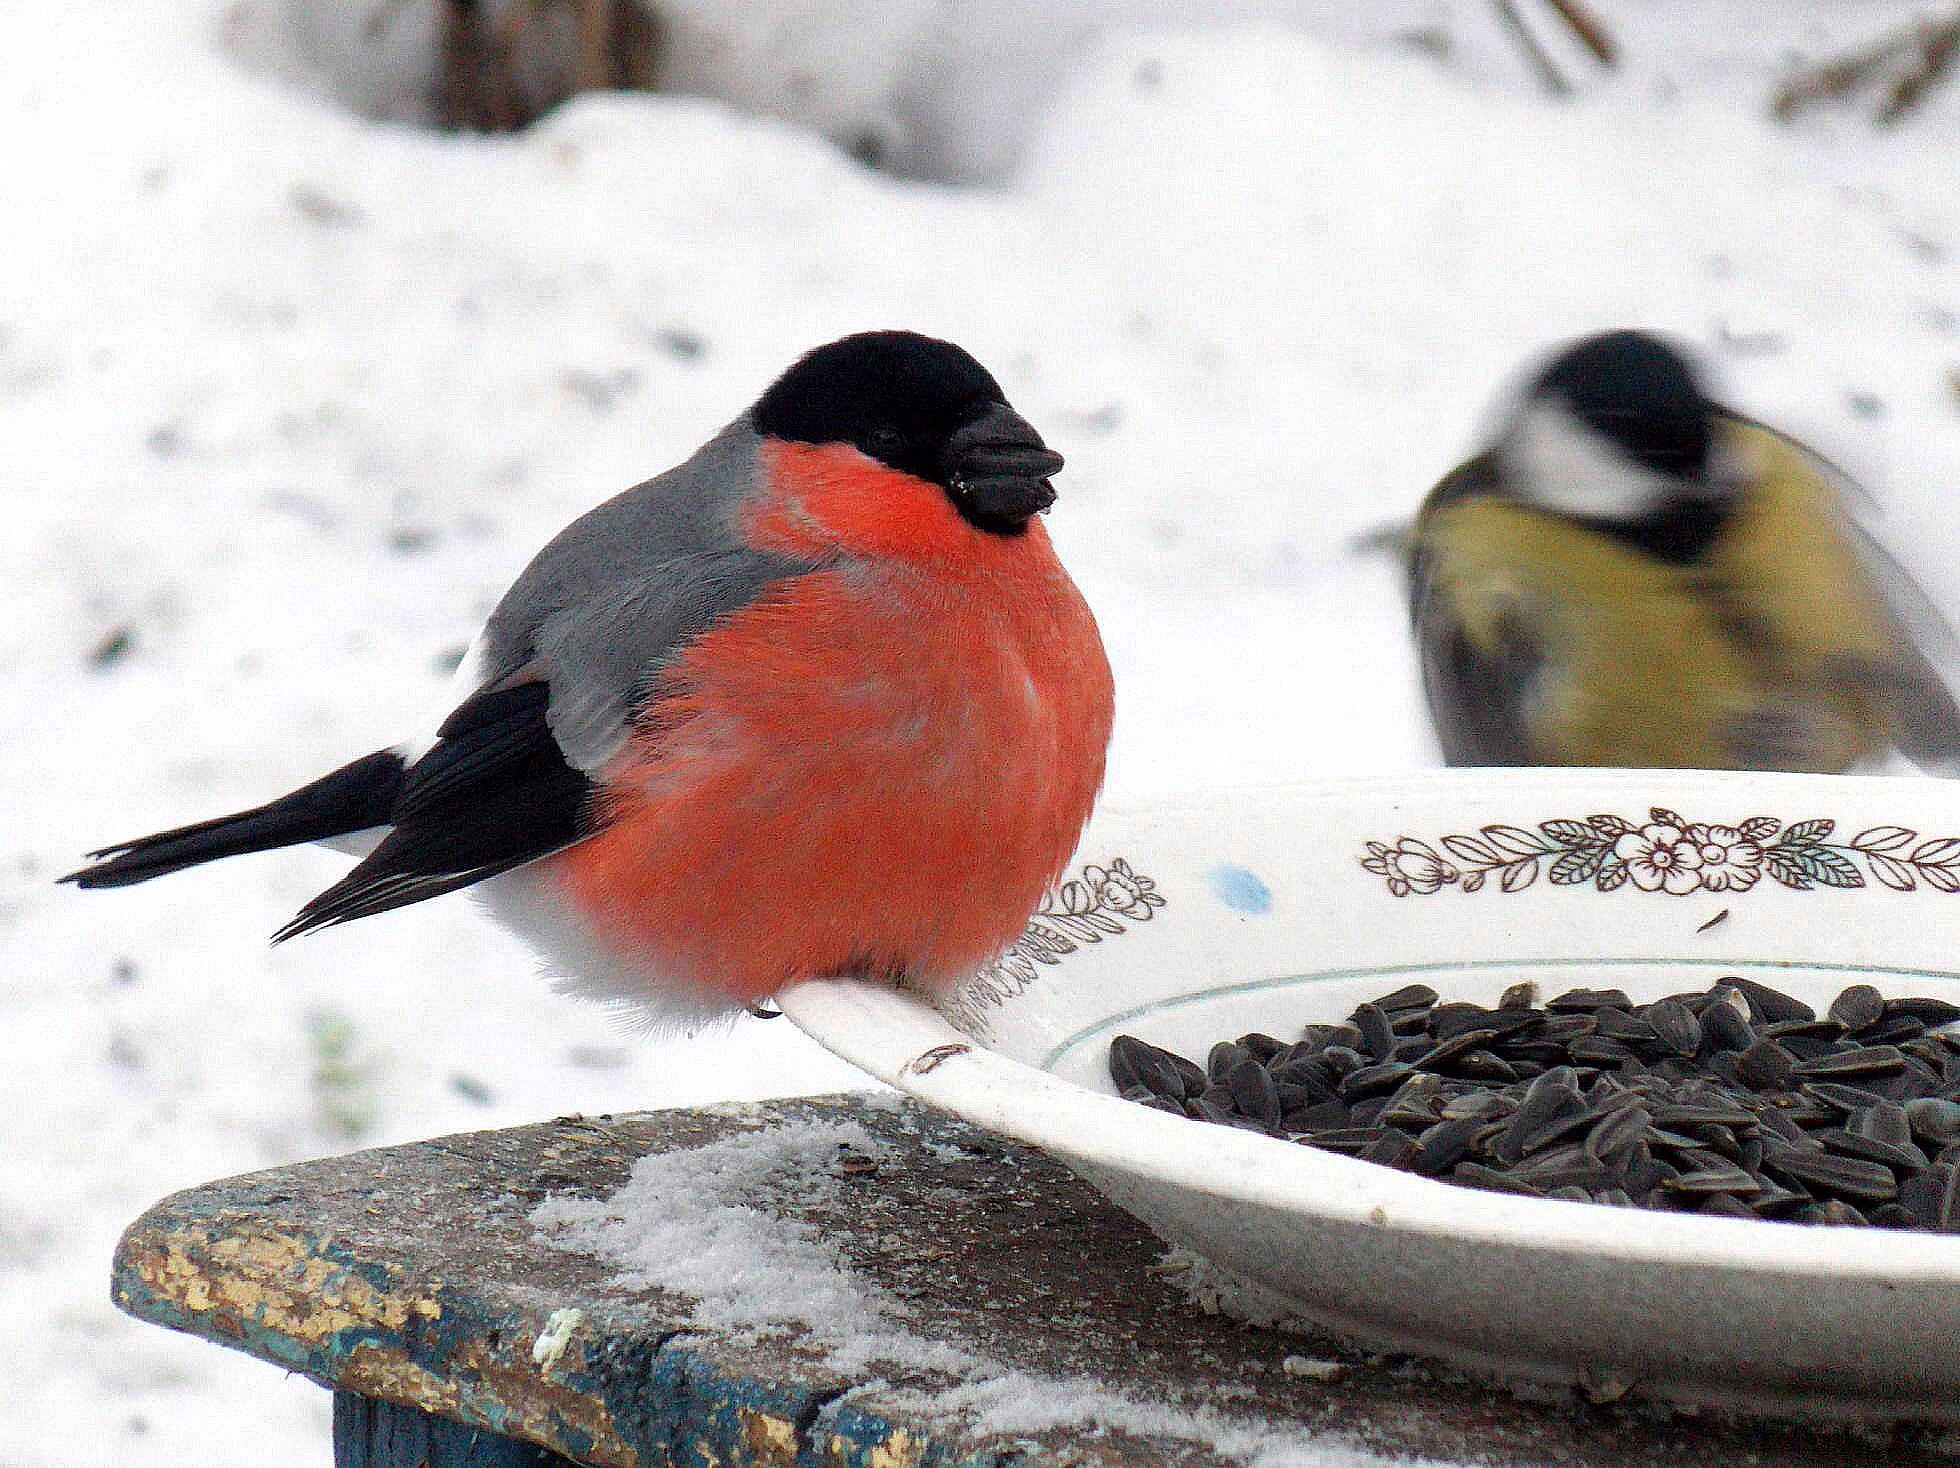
(355,797)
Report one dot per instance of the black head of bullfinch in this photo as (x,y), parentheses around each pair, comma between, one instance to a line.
(1632,574)
(926,409)
(821,699)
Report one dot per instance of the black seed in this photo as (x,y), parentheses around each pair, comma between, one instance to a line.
(1253,1092)
(1804,1029)
(1341,1060)
(1443,1146)
(1374,1080)
(1929,1012)
(1858,1007)
(1934,1120)
(1885,1122)
(1348,1138)
(1623,1025)
(1319,1116)
(1263,1047)
(1392,1149)
(1377,1036)
(1768,1006)
(1477,1106)
(1519,996)
(1766,1066)
(1224,1055)
(1714,1176)
(1564,1027)
(1703,1113)
(1675,1026)
(1850,1177)
(1846,1099)
(1368,1112)
(1481,1065)
(1850,1144)
(1832,1212)
(1588,1000)
(1476,1175)
(1867,1060)
(1134,1063)
(1598,1050)
(1726,1029)
(1206,1109)
(1617,1131)
(1773,1200)
(1724,1205)
(1410,996)
(1733,1102)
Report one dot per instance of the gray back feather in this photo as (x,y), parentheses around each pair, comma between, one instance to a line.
(608,602)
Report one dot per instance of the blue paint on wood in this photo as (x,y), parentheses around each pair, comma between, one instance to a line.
(371,1434)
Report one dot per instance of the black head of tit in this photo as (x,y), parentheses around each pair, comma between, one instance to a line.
(1616,431)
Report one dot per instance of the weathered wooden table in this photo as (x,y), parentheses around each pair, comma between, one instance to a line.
(411,1282)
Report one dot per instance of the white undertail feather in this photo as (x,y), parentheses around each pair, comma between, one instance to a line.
(579,961)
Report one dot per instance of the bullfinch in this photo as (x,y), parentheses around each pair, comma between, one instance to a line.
(1633,575)
(819,700)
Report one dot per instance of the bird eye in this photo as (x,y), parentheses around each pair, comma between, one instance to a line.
(885,441)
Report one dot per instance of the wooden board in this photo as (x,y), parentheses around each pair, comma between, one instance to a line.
(411,1275)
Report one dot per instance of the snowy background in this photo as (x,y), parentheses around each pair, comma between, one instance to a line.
(291,386)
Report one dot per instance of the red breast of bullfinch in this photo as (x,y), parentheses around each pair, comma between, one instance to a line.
(819,700)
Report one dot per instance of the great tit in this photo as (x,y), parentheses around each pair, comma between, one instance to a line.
(1633,575)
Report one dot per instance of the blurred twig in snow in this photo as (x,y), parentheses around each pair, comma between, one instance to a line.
(1590,30)
(1904,66)
(501,74)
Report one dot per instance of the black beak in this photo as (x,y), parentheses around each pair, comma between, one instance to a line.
(998,469)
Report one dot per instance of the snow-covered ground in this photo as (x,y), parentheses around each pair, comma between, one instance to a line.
(287,395)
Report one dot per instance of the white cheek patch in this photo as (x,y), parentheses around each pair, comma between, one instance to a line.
(1555,460)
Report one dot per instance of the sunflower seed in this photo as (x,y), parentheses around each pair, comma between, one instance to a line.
(1766,1066)
(1725,1027)
(1253,1092)
(1851,1144)
(1224,1055)
(1929,1012)
(1262,1047)
(1768,1006)
(1519,996)
(1675,1026)
(1934,1120)
(1409,996)
(1850,1177)
(1737,1102)
(1867,1060)
(1377,1035)
(1589,1000)
(1858,1007)
(1479,1176)
(1443,1146)
(1374,1080)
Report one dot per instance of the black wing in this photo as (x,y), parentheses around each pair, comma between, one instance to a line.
(1475,695)
(493,793)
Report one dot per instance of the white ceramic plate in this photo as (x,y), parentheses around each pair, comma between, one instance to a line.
(1201,918)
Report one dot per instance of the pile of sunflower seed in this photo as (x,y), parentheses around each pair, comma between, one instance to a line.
(1739,1101)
